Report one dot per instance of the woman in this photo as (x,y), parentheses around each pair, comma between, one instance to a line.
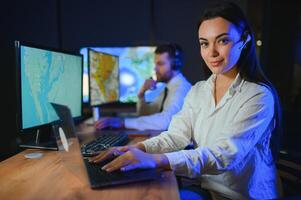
(233,118)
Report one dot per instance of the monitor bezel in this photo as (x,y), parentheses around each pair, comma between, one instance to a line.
(89,77)
(19,114)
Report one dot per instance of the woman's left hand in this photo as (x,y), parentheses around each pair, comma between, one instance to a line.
(134,158)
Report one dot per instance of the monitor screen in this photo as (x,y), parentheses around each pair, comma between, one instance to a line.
(103,78)
(46,76)
(135,65)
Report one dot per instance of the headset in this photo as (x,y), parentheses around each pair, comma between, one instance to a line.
(177,62)
(245,38)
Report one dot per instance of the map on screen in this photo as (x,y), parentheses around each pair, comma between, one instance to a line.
(135,65)
(104,79)
(48,76)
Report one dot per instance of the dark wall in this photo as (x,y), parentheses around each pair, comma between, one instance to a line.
(282,30)
(105,23)
(32,21)
(177,21)
(134,22)
(280,36)
(7,84)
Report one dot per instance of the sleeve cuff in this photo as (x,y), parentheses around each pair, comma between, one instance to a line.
(177,162)
(130,123)
(150,145)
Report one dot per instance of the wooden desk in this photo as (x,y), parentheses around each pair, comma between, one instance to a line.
(49,177)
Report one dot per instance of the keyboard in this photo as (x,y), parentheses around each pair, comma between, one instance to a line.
(103,142)
(100,178)
(95,170)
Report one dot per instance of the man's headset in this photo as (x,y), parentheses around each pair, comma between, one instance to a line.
(178,58)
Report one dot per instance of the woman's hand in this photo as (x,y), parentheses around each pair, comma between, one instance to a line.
(109,153)
(131,158)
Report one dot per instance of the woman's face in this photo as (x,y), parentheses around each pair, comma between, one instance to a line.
(220,44)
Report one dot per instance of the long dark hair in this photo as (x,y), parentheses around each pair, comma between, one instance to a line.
(248,64)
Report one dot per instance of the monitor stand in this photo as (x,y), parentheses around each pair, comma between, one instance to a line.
(43,138)
(96,113)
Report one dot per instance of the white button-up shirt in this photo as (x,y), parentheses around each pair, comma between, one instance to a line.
(178,88)
(232,154)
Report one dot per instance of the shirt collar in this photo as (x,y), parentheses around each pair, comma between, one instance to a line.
(234,87)
(174,80)
(237,83)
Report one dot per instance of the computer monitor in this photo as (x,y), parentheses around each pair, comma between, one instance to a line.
(46,76)
(136,63)
(103,78)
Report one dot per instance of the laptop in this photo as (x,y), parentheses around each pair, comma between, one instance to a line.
(68,142)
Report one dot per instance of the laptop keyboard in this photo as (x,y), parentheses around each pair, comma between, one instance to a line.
(100,178)
(95,170)
(103,142)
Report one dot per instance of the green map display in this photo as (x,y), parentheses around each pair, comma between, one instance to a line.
(48,76)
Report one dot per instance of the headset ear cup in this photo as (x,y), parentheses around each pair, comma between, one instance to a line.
(248,38)
(176,63)
(177,60)
(245,40)
(176,54)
